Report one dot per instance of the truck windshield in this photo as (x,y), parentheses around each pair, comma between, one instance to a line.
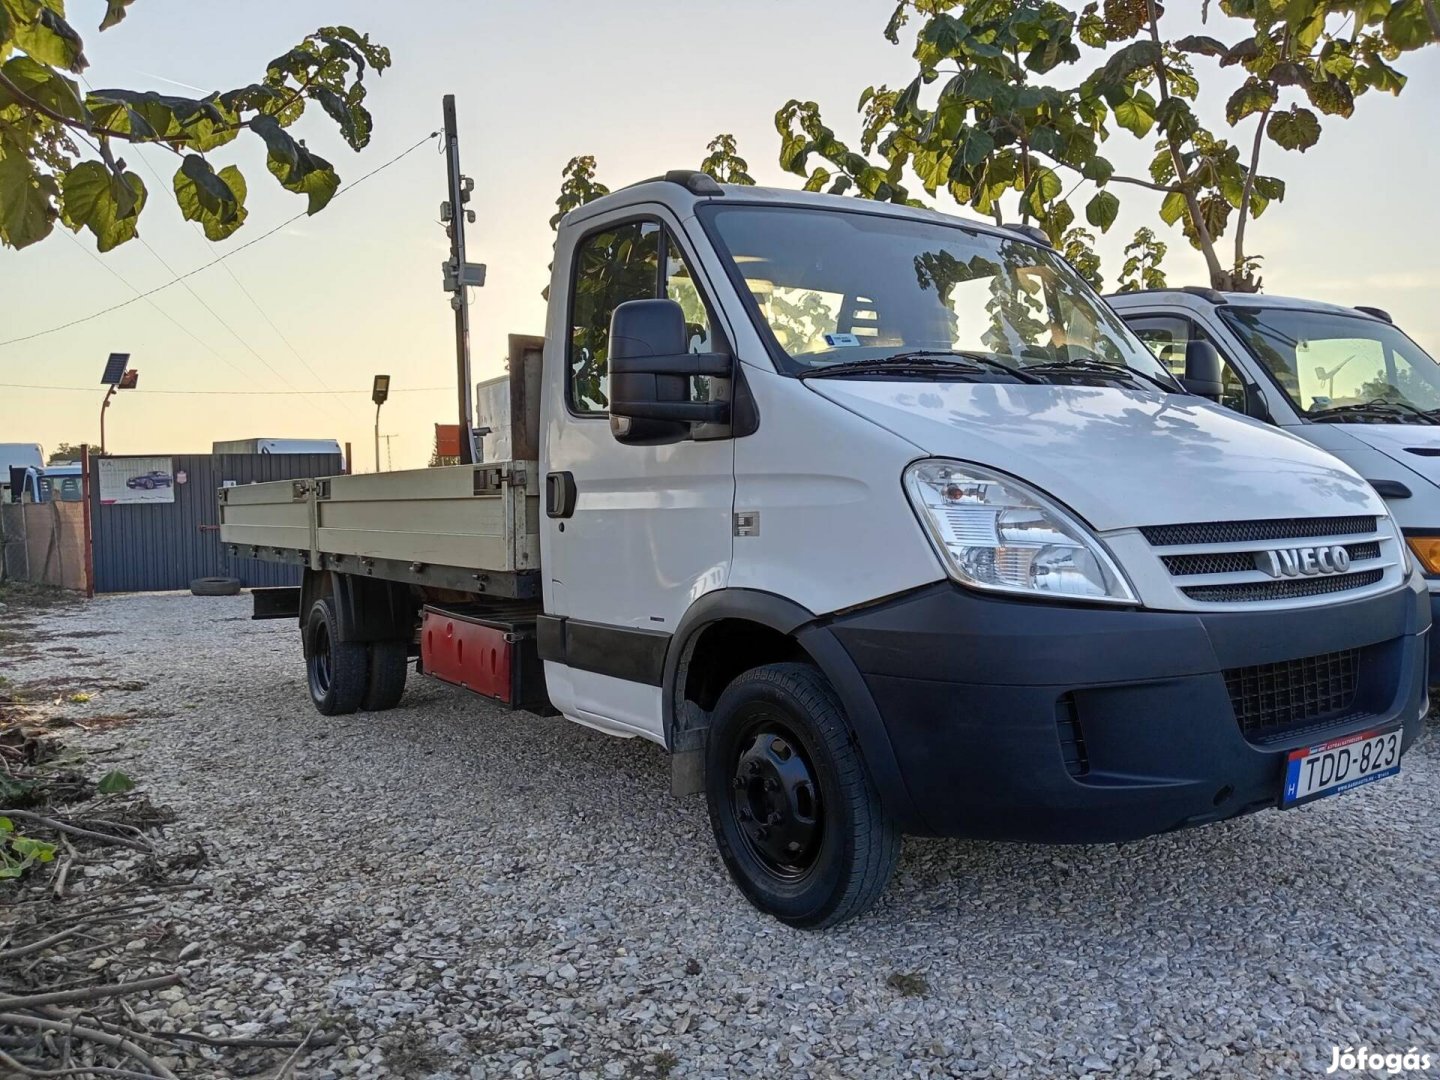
(836,287)
(1341,367)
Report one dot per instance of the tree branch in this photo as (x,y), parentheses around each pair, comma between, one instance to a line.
(1246,192)
(1432,17)
(1182,174)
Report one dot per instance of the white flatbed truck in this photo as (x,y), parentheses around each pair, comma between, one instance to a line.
(882,523)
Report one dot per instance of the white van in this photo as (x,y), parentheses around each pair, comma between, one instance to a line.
(1346,379)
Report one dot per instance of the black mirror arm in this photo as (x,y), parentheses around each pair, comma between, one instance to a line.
(690,412)
(715,364)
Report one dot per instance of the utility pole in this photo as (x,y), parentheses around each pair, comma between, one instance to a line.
(459,275)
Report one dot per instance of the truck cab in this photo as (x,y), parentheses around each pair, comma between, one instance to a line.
(881,522)
(1345,379)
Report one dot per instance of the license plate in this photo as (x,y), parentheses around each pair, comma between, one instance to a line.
(1340,765)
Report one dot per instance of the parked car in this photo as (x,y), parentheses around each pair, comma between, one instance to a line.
(155,478)
(1345,379)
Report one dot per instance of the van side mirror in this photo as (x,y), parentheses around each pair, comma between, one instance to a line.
(1202,369)
(650,372)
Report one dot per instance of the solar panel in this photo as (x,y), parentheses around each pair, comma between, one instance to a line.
(114,368)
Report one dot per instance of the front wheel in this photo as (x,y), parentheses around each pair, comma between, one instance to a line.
(796,818)
(338,671)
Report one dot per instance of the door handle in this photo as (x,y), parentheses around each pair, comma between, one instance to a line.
(559,494)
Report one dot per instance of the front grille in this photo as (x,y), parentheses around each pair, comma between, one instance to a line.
(1238,562)
(1240,532)
(1290,589)
(1269,698)
(1072,739)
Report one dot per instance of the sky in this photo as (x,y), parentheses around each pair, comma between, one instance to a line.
(282,339)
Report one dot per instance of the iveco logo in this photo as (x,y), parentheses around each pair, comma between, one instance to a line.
(1303,562)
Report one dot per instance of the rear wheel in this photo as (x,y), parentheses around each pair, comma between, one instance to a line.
(796,818)
(338,671)
(389,661)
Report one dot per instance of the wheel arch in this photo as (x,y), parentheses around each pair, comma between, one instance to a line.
(781,630)
(367,609)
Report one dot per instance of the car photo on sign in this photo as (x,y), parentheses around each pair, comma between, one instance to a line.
(137,480)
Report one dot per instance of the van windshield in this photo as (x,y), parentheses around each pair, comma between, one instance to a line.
(1340,367)
(836,287)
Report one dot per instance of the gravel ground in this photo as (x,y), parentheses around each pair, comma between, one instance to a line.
(475,893)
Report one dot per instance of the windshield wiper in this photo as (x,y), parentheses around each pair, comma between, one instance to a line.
(923,362)
(1381,410)
(1086,366)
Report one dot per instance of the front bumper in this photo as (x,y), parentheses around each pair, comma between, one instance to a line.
(983,700)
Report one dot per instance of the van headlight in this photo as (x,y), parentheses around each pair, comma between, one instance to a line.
(994,533)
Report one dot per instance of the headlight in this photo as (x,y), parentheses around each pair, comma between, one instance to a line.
(992,532)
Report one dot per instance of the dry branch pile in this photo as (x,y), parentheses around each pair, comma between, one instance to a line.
(94,962)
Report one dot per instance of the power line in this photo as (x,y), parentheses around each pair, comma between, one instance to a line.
(233,393)
(214,262)
(144,160)
(146,297)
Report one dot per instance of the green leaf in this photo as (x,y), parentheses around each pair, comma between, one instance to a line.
(1253,96)
(34,850)
(41,32)
(296,168)
(113,783)
(1136,114)
(1406,26)
(217,202)
(114,12)
(27,200)
(1202,45)
(43,85)
(1173,208)
(108,205)
(6,825)
(1045,187)
(1298,129)
(1102,210)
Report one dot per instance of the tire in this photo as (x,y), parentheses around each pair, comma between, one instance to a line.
(338,672)
(215,586)
(389,663)
(779,745)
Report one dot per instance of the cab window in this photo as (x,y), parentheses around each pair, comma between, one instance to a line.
(1168,337)
(637,260)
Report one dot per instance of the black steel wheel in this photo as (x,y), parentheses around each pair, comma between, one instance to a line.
(795,815)
(338,671)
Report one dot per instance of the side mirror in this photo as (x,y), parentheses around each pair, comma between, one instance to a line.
(1202,369)
(650,372)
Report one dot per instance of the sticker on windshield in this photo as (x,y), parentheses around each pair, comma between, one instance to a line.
(842,341)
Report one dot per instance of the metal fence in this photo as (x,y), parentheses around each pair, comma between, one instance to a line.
(159,545)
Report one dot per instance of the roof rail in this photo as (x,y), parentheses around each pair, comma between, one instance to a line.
(1030,232)
(1379,313)
(694,181)
(1205,293)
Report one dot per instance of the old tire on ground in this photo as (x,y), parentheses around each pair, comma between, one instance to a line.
(215,586)
(338,671)
(389,662)
(796,818)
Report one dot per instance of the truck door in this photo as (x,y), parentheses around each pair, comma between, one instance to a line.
(631,535)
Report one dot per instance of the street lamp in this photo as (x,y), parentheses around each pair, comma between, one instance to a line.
(118,377)
(378,394)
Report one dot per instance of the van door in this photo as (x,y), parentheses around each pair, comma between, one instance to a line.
(1168,335)
(631,535)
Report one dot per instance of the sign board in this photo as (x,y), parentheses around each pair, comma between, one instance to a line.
(137,480)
